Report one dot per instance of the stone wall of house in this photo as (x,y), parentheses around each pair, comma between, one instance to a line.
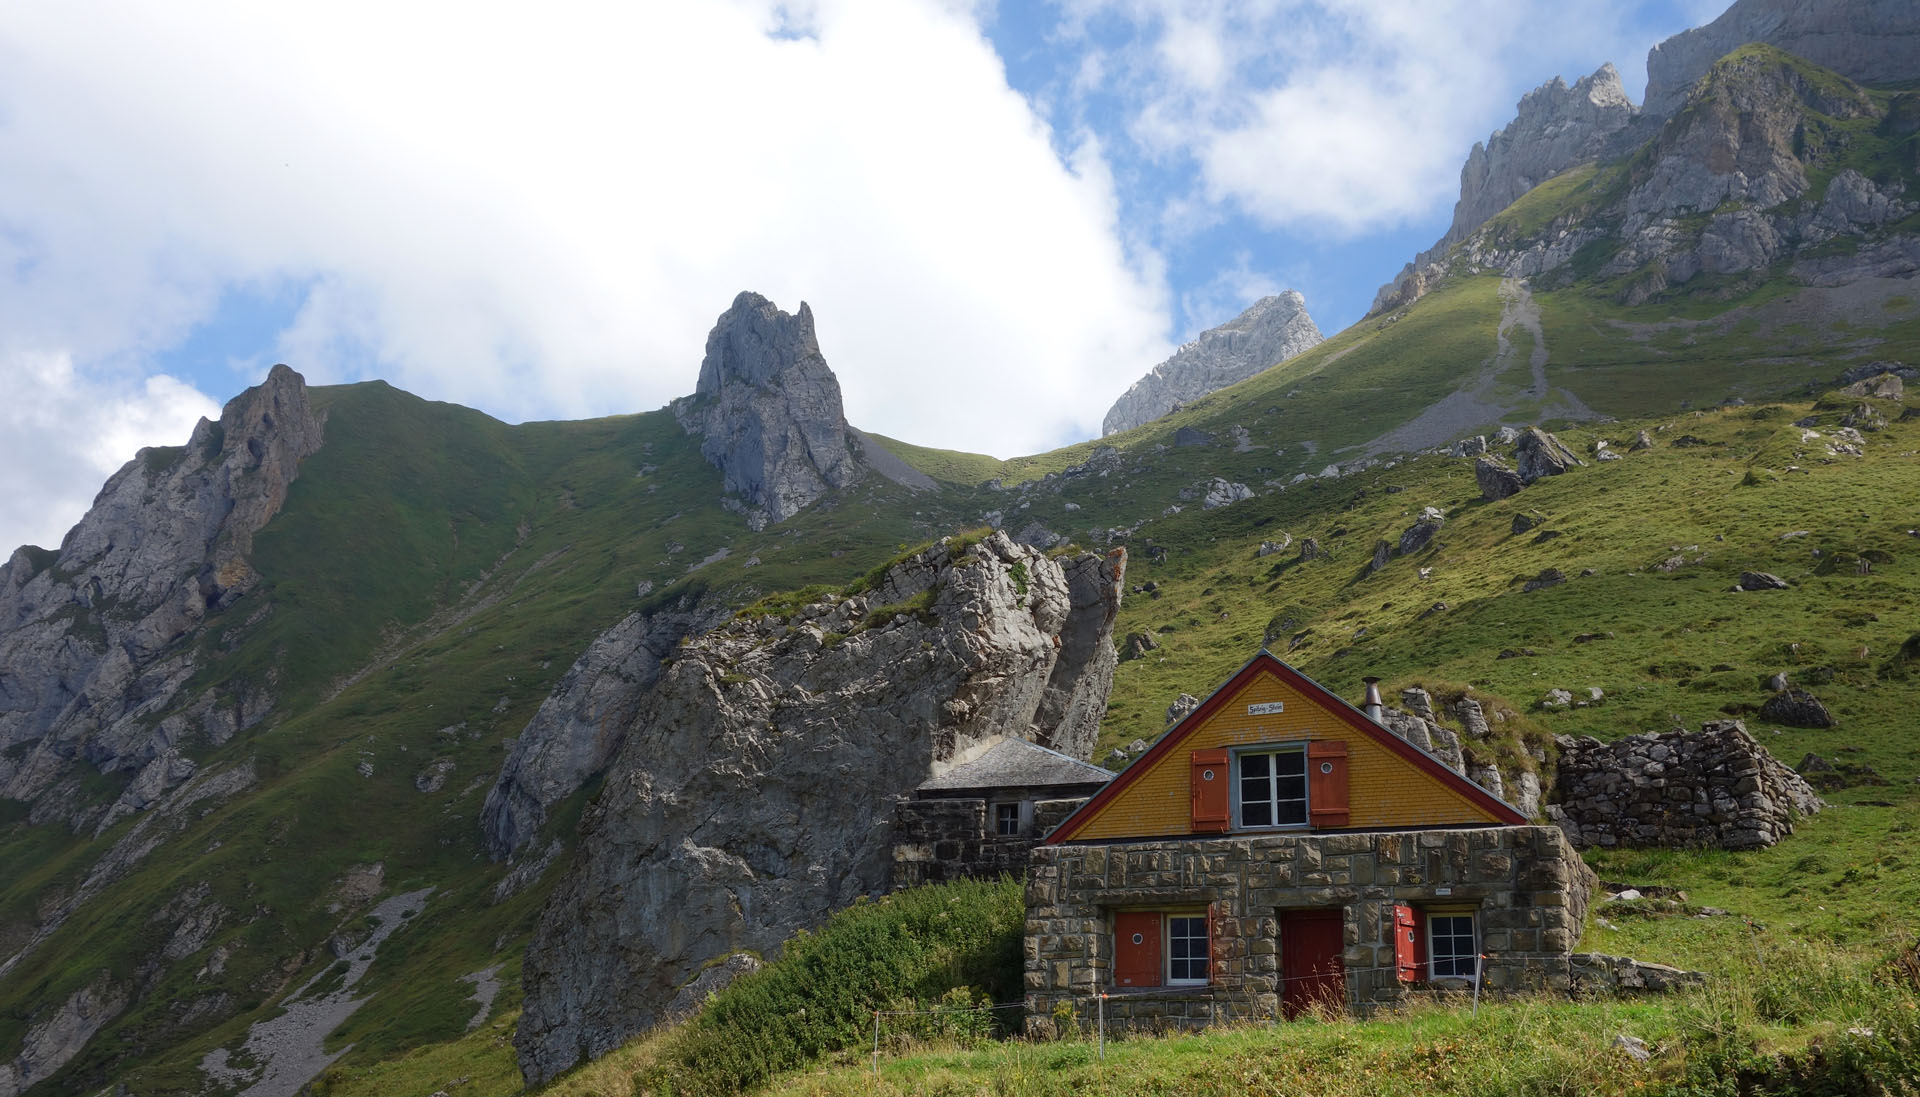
(1528,887)
(1714,787)
(937,840)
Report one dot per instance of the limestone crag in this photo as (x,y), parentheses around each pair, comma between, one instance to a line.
(1272,330)
(91,635)
(753,793)
(580,726)
(1706,156)
(1715,787)
(1872,41)
(768,409)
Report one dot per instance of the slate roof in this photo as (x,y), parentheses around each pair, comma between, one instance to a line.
(1016,763)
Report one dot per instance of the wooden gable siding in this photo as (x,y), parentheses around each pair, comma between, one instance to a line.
(1385,790)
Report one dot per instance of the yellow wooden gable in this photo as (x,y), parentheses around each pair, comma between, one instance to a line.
(1391,784)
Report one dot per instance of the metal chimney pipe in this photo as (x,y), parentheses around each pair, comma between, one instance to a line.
(1373,706)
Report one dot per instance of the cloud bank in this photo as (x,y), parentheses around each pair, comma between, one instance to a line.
(542,216)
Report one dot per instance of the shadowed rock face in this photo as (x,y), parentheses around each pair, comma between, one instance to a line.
(769,409)
(165,543)
(1271,331)
(752,795)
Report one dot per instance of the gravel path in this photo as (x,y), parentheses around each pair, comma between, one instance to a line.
(282,1054)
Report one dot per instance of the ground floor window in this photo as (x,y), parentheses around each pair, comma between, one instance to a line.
(1187,948)
(1161,948)
(1450,946)
(1006,819)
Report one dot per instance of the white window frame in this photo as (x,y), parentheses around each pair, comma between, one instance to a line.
(1471,957)
(1306,795)
(1166,948)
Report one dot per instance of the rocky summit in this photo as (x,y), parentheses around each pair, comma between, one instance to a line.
(768,409)
(1872,41)
(1272,330)
(90,635)
(752,795)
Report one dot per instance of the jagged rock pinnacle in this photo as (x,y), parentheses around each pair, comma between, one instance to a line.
(1271,331)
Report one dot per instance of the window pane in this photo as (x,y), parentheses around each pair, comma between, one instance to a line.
(1450,938)
(1291,763)
(1293,811)
(1187,949)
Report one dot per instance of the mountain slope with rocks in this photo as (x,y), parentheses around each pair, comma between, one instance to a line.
(1270,331)
(753,795)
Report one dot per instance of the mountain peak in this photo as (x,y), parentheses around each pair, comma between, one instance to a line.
(1271,330)
(769,409)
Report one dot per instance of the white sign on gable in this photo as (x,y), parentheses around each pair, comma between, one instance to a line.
(1266,709)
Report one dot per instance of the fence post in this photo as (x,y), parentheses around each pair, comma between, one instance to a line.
(1101,1012)
(1478,963)
(876,1043)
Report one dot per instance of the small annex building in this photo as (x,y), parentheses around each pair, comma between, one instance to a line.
(980,818)
(1278,849)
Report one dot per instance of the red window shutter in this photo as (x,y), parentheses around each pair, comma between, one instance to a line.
(1211,782)
(1406,943)
(1327,784)
(1136,949)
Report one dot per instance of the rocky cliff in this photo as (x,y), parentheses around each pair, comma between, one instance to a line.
(1271,331)
(1871,41)
(768,409)
(90,635)
(751,795)
(1557,128)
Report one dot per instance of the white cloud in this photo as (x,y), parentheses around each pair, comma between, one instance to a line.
(1335,118)
(66,433)
(542,216)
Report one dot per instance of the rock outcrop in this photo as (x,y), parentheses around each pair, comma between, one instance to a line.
(1872,41)
(580,726)
(1714,787)
(1271,331)
(768,409)
(752,794)
(90,635)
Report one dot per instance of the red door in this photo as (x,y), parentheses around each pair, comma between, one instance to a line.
(1311,944)
(1136,949)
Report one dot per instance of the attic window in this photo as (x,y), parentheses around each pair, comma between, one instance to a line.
(1273,787)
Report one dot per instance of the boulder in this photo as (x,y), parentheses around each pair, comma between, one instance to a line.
(1548,577)
(1796,708)
(1382,553)
(1219,493)
(1496,480)
(1885,386)
(1421,533)
(1762,580)
(1139,643)
(1181,705)
(1539,454)
(1270,548)
(1641,442)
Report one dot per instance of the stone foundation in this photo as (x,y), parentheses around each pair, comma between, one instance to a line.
(1714,787)
(1527,887)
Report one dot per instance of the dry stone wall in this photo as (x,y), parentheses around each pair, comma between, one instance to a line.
(949,839)
(1714,787)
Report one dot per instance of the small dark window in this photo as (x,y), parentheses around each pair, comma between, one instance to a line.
(1006,819)
(1450,945)
(1187,949)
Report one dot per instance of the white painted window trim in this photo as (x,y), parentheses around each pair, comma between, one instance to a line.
(1297,747)
(1166,948)
(1473,945)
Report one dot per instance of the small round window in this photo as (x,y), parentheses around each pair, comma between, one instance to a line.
(1206,775)
(1326,767)
(1138,939)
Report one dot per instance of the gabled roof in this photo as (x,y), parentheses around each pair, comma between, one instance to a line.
(1016,763)
(1265,662)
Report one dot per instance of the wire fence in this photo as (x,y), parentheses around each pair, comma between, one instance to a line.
(942,1029)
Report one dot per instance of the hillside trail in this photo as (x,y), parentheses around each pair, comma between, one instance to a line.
(1480,402)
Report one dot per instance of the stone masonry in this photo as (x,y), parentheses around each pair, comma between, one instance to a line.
(950,839)
(1526,885)
(1715,787)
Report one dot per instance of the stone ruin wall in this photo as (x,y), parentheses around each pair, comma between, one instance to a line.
(1715,787)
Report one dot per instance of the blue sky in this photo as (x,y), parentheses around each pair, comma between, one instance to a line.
(1001,214)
